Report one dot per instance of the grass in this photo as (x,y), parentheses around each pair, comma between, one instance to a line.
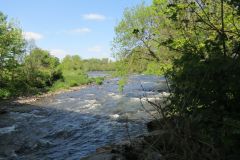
(98,80)
(75,78)
(121,83)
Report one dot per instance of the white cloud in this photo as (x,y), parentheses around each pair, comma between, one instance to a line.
(59,53)
(80,30)
(94,16)
(32,36)
(95,49)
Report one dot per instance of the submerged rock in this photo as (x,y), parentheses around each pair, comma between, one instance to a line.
(151,155)
(105,149)
(136,149)
(154,125)
(3,111)
(139,148)
(105,156)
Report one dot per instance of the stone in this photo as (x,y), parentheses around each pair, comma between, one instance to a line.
(105,156)
(3,111)
(153,156)
(154,125)
(104,149)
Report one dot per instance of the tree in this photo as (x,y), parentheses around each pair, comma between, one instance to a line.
(41,68)
(139,36)
(94,64)
(201,117)
(11,49)
(205,78)
(12,45)
(135,30)
(72,63)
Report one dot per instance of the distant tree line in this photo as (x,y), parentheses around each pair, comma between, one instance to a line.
(94,64)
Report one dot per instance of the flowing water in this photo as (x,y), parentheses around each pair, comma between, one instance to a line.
(72,125)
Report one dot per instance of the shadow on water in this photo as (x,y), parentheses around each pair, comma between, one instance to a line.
(74,124)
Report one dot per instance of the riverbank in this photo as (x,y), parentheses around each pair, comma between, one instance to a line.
(34,98)
(28,99)
(143,147)
(10,104)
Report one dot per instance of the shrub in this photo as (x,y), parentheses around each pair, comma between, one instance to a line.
(99,80)
(4,93)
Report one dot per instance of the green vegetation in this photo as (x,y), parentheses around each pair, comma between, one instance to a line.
(27,70)
(41,69)
(98,80)
(154,68)
(121,83)
(196,45)
(11,52)
(98,65)
(136,44)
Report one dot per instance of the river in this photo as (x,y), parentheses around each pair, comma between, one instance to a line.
(72,125)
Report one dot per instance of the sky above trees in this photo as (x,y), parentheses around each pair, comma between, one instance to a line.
(81,27)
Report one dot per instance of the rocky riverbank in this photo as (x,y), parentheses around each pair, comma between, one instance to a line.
(15,103)
(139,148)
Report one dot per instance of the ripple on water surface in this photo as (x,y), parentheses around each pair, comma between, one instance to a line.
(72,125)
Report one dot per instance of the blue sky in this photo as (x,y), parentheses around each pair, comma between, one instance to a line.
(83,27)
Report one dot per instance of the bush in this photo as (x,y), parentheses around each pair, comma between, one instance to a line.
(159,69)
(4,93)
(60,84)
(99,80)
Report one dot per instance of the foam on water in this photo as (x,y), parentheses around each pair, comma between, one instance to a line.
(72,125)
(8,129)
(114,95)
(114,116)
(135,99)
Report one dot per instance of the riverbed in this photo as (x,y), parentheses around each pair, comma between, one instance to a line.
(72,125)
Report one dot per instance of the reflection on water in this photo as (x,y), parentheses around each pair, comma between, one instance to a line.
(74,124)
